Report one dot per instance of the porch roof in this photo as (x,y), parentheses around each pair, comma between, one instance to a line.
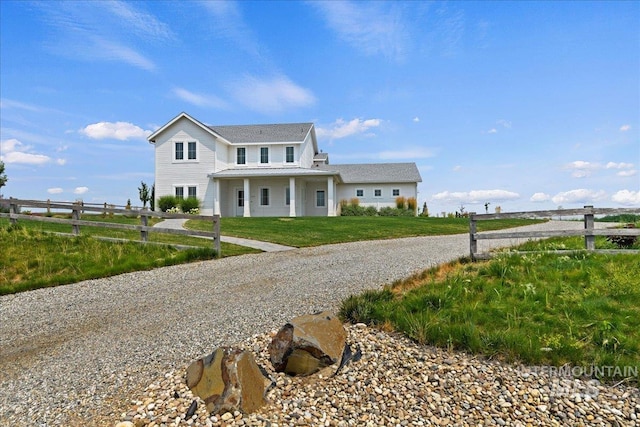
(274,172)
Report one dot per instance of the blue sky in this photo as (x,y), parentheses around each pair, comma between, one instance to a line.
(524,105)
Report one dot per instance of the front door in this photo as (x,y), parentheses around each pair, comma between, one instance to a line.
(239,202)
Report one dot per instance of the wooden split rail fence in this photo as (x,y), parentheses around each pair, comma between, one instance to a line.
(77,208)
(589,232)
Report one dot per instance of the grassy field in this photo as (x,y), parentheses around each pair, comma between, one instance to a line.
(35,259)
(315,231)
(579,309)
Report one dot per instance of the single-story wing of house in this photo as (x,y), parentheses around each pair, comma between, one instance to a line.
(267,170)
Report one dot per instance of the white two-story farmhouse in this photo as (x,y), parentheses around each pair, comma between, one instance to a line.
(267,170)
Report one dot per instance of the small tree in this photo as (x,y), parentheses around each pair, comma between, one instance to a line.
(145,194)
(3,176)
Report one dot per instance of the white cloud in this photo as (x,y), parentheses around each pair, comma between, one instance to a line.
(477,196)
(626,197)
(416,119)
(119,130)
(102,31)
(621,165)
(581,168)
(271,95)
(504,123)
(341,129)
(579,196)
(55,190)
(372,28)
(457,168)
(625,128)
(492,130)
(627,173)
(199,100)
(14,151)
(61,162)
(540,197)
(80,190)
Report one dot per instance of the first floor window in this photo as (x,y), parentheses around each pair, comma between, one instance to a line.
(396,192)
(359,192)
(287,196)
(192,192)
(180,192)
(320,200)
(289,154)
(264,154)
(264,197)
(179,150)
(377,192)
(191,150)
(241,156)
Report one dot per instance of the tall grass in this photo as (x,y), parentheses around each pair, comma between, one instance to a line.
(579,309)
(31,259)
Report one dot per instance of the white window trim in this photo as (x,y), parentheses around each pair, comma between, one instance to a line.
(325,199)
(260,196)
(185,189)
(285,155)
(374,193)
(185,151)
(268,162)
(190,186)
(360,189)
(174,144)
(246,156)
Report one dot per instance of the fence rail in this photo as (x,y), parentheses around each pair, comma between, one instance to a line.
(588,213)
(77,208)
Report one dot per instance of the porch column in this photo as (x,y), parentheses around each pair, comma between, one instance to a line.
(247,207)
(216,196)
(292,197)
(331,207)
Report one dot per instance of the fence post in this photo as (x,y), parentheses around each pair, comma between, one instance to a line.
(75,216)
(216,238)
(144,219)
(473,243)
(589,238)
(13,209)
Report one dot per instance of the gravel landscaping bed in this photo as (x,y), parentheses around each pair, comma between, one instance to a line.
(78,354)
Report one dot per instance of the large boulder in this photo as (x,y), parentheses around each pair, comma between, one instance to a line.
(227,380)
(308,344)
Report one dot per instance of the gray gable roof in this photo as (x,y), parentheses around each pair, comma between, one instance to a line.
(376,172)
(247,134)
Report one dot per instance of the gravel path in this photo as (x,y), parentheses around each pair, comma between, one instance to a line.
(76,354)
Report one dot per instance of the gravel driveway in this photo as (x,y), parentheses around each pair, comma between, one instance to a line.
(75,354)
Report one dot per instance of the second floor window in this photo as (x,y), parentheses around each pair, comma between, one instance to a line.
(359,192)
(289,154)
(264,154)
(241,156)
(191,150)
(179,150)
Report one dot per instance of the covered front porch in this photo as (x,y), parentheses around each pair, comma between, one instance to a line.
(282,193)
